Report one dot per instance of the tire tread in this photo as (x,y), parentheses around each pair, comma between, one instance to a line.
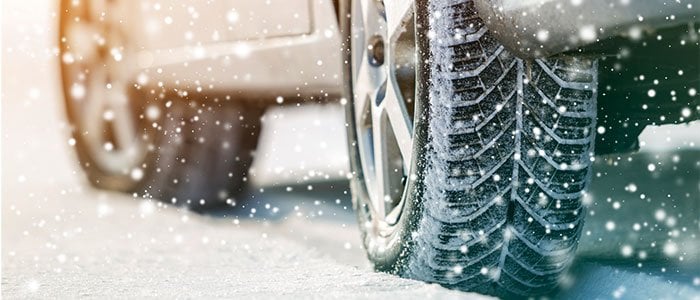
(531,215)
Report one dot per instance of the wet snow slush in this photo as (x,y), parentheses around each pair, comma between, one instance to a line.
(62,239)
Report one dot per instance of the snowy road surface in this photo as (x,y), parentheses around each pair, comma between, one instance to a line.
(62,239)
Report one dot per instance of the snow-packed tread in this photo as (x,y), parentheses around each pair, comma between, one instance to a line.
(504,214)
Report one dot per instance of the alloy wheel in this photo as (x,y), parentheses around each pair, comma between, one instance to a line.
(98,67)
(383,77)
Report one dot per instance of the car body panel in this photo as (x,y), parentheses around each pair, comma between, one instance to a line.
(215,21)
(255,49)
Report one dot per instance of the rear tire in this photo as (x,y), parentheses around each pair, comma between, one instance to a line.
(501,157)
(132,139)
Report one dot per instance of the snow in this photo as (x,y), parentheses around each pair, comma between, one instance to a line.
(587,33)
(136,248)
(61,239)
(651,93)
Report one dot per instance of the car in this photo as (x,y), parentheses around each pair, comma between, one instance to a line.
(165,100)
(472,124)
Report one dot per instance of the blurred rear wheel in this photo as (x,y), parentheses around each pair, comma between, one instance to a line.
(183,151)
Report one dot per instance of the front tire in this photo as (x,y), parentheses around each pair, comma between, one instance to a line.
(500,150)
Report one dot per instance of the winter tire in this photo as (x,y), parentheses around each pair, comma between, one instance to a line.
(169,147)
(469,165)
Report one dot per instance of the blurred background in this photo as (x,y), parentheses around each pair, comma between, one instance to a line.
(61,238)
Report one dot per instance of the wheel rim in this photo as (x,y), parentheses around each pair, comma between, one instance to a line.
(98,68)
(383,75)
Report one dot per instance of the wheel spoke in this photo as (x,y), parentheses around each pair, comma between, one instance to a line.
(98,10)
(95,101)
(372,24)
(83,41)
(118,103)
(396,12)
(400,122)
(362,89)
(380,163)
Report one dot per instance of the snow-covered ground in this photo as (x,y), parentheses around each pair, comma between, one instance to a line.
(62,239)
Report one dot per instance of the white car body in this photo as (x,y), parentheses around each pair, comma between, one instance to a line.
(258,50)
